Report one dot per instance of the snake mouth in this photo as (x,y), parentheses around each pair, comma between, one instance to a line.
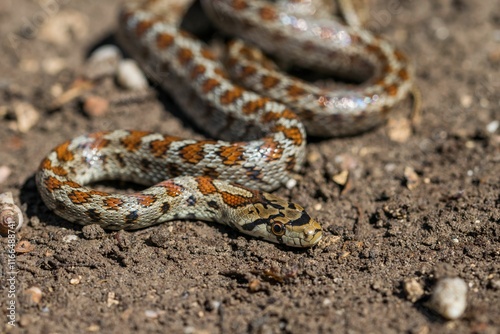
(312,233)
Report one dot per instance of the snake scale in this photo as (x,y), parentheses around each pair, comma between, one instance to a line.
(262,141)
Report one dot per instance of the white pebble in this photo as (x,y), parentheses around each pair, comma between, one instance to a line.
(449,298)
(492,127)
(70,238)
(291,183)
(105,53)
(130,75)
(27,116)
(4,173)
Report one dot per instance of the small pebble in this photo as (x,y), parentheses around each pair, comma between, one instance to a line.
(341,178)
(54,65)
(105,53)
(291,183)
(449,298)
(34,294)
(27,116)
(130,76)
(150,314)
(4,173)
(75,280)
(492,127)
(399,129)
(94,231)
(70,238)
(413,289)
(95,106)
(103,62)
(466,101)
(411,177)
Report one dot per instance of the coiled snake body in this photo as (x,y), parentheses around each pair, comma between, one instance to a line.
(215,180)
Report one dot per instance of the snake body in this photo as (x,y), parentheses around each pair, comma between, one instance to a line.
(216,180)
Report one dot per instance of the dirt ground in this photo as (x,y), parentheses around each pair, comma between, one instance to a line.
(416,209)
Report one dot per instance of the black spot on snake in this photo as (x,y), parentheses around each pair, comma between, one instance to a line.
(191,200)
(132,217)
(93,214)
(165,207)
(213,205)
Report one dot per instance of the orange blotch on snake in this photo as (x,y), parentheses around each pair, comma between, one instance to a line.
(234,200)
(392,90)
(231,95)
(160,147)
(194,153)
(145,200)
(142,27)
(63,153)
(209,84)
(185,56)
(269,82)
(271,150)
(292,133)
(51,183)
(79,197)
(197,71)
(294,90)
(206,185)
(112,203)
(164,40)
(254,106)
(232,155)
(267,13)
(239,4)
(133,141)
(207,54)
(403,74)
(171,189)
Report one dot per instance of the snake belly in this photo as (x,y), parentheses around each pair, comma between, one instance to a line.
(263,140)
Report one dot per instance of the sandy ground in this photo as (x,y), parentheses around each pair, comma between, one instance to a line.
(381,232)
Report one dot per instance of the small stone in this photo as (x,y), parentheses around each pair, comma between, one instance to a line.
(24,246)
(103,62)
(161,237)
(92,232)
(111,299)
(70,238)
(449,298)
(105,52)
(34,294)
(130,76)
(411,177)
(95,106)
(413,290)
(466,101)
(151,314)
(93,328)
(54,65)
(341,178)
(492,127)
(75,280)
(4,173)
(399,129)
(26,115)
(290,184)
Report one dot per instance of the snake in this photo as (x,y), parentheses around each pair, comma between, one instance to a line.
(260,115)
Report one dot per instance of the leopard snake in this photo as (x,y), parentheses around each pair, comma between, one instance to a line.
(262,141)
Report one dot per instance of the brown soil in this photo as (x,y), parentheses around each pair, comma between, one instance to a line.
(194,277)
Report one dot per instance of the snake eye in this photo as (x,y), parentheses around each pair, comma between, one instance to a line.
(278,229)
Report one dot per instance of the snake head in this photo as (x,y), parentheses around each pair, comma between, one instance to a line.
(277,220)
